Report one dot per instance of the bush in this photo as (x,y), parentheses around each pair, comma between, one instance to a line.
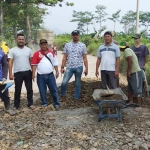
(93,48)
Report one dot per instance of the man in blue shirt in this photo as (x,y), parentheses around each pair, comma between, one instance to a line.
(3,76)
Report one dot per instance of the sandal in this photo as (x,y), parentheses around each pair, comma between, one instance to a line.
(138,109)
(32,107)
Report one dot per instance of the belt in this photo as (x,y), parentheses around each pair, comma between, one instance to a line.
(45,74)
(23,71)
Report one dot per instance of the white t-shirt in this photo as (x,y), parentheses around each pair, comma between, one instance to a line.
(21,58)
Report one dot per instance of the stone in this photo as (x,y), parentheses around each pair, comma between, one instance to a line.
(143,146)
(148,123)
(130,135)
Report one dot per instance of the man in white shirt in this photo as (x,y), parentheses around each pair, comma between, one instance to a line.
(45,61)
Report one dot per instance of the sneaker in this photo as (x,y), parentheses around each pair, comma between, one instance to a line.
(57,108)
(44,105)
(11,112)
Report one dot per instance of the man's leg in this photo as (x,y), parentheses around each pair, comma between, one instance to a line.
(112,80)
(67,76)
(51,82)
(41,82)
(28,85)
(136,83)
(78,74)
(104,79)
(18,85)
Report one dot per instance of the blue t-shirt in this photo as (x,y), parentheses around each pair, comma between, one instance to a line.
(1,59)
(141,52)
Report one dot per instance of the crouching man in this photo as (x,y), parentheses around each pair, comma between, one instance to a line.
(134,75)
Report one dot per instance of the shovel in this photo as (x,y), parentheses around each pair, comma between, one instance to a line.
(110,92)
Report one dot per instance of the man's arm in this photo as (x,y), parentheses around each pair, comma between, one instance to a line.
(129,65)
(57,72)
(117,66)
(97,66)
(30,60)
(5,66)
(85,64)
(63,62)
(10,66)
(33,71)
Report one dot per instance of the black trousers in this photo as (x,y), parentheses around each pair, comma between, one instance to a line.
(25,76)
(4,96)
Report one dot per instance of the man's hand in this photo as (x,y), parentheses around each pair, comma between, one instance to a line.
(62,70)
(86,72)
(11,77)
(97,73)
(116,74)
(57,75)
(128,74)
(33,77)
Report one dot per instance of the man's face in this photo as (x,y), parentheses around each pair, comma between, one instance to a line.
(43,46)
(21,41)
(137,40)
(107,38)
(75,37)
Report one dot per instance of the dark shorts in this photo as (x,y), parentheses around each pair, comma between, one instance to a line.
(108,78)
(135,83)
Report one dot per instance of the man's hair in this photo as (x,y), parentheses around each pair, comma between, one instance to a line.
(20,34)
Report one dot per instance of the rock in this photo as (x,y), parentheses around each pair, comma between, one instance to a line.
(148,123)
(143,146)
(130,135)
(135,147)
(11,112)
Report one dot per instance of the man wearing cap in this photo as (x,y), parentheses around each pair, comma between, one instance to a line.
(20,57)
(108,56)
(141,52)
(45,61)
(134,75)
(75,54)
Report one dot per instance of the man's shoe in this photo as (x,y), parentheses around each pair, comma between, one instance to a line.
(11,112)
(44,105)
(57,108)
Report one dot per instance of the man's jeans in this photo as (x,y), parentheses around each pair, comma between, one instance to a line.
(48,80)
(67,76)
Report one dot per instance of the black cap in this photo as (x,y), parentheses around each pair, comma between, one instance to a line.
(136,36)
(75,32)
(43,41)
(108,33)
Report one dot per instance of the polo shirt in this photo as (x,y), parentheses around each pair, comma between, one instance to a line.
(108,55)
(44,66)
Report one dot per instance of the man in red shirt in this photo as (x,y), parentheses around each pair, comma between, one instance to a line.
(44,61)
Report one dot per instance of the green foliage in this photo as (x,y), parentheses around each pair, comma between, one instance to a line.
(93,48)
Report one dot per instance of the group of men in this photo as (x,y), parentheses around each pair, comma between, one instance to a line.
(23,66)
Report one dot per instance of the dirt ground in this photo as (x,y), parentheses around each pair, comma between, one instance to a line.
(75,126)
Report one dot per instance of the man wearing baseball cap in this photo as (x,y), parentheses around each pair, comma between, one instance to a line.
(134,75)
(74,53)
(45,61)
(141,52)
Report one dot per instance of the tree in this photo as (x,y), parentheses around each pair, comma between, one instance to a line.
(115,17)
(83,19)
(145,19)
(129,22)
(100,10)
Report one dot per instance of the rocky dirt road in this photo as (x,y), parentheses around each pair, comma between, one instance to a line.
(75,126)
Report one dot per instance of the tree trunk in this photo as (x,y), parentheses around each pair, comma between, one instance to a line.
(28,29)
(1,21)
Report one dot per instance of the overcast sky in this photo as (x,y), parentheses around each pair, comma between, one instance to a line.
(59,18)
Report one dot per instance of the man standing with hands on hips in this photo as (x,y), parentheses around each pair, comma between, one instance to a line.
(75,54)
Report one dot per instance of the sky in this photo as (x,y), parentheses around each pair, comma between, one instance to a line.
(59,18)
